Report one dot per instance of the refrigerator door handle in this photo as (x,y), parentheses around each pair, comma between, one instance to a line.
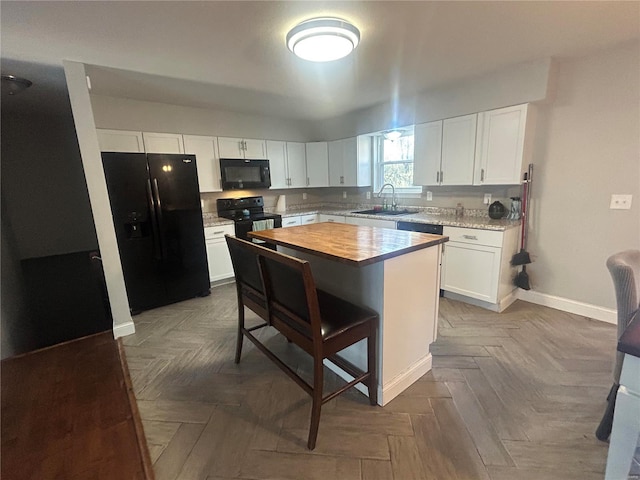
(154,224)
(156,192)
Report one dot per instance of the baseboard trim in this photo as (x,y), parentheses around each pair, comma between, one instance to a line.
(395,387)
(123,329)
(403,381)
(596,312)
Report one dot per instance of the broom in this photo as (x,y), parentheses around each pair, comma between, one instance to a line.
(523,257)
(522,278)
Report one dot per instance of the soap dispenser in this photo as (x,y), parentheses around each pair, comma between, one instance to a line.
(459,210)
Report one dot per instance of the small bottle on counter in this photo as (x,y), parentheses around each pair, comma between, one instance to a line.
(459,210)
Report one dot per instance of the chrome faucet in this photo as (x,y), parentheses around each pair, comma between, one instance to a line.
(394,200)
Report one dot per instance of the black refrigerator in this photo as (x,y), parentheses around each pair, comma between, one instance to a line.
(155,204)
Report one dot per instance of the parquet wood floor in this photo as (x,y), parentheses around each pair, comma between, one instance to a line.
(516,395)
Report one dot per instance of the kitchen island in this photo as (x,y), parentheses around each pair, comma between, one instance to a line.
(394,272)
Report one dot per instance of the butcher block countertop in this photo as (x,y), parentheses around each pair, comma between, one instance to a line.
(350,244)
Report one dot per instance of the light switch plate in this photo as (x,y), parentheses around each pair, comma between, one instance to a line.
(620,202)
(368,195)
(487,199)
(344,194)
(429,196)
(304,195)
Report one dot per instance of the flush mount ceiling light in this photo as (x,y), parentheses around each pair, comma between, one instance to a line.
(14,85)
(323,39)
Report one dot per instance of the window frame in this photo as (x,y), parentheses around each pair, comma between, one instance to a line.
(378,169)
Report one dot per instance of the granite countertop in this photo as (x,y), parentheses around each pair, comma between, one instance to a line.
(350,244)
(467,221)
(480,222)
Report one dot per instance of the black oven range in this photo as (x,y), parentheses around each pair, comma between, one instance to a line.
(248,215)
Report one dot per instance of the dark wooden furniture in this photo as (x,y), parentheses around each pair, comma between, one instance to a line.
(248,287)
(68,411)
(318,322)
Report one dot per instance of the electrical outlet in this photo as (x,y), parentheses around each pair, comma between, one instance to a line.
(344,194)
(487,199)
(368,195)
(304,195)
(429,196)
(620,202)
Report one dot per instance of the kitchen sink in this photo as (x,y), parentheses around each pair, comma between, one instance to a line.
(385,212)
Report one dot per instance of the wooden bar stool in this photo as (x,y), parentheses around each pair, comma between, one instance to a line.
(318,322)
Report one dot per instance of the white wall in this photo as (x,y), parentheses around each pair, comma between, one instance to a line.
(588,148)
(126,114)
(516,84)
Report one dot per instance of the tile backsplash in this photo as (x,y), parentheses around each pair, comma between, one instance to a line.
(470,197)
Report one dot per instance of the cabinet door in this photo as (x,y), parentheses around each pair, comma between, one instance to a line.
(365,160)
(277,155)
(163,142)
(290,221)
(120,141)
(308,219)
(296,165)
(255,149)
(317,164)
(371,222)
(458,150)
(501,146)
(218,257)
(350,162)
(206,151)
(471,270)
(427,153)
(230,147)
(323,217)
(336,154)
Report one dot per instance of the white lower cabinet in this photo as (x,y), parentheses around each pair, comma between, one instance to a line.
(371,222)
(308,219)
(290,221)
(322,217)
(476,264)
(218,257)
(299,220)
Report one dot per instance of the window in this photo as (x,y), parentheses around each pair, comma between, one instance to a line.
(394,163)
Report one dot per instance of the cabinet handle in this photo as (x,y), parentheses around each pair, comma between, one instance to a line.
(470,237)
(437,177)
(307,181)
(220,184)
(219,232)
(341,180)
(330,220)
(482,174)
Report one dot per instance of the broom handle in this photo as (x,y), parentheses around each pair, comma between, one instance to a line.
(524,209)
(526,219)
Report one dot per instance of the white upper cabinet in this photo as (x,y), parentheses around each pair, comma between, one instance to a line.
(287,164)
(163,142)
(207,160)
(336,154)
(277,155)
(458,150)
(344,167)
(296,164)
(427,153)
(361,176)
(317,164)
(504,145)
(242,148)
(120,141)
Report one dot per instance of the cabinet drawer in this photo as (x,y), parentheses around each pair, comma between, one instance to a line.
(307,219)
(476,236)
(218,232)
(290,221)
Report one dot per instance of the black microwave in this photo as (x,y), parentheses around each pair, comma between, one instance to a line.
(239,174)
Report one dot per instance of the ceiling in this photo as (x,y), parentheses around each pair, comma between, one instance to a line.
(232,55)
